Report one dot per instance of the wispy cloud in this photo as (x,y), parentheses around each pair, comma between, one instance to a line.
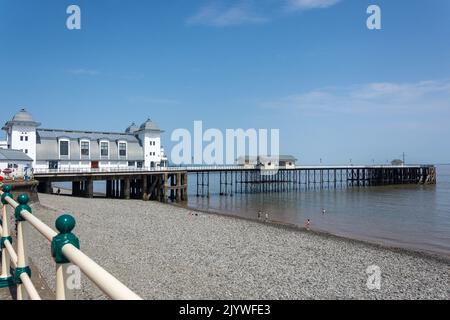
(423,97)
(310,4)
(84,72)
(152,100)
(221,14)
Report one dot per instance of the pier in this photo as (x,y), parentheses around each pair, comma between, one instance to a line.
(243,180)
(159,185)
(171,184)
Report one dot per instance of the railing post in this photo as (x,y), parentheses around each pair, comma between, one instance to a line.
(6,280)
(22,259)
(64,224)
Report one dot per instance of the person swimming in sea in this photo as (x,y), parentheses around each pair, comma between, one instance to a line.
(308,224)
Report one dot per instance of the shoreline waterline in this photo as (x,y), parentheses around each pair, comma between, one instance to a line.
(440,255)
(414,217)
(388,243)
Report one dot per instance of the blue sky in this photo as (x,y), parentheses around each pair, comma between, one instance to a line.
(310,68)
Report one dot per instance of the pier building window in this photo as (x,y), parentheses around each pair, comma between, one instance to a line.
(132,163)
(53,165)
(122,149)
(104,149)
(85,148)
(64,148)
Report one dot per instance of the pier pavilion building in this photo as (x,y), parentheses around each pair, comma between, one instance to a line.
(137,147)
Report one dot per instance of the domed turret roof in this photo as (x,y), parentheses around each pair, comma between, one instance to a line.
(23,118)
(23,115)
(150,125)
(132,128)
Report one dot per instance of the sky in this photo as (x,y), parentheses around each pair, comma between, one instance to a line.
(310,68)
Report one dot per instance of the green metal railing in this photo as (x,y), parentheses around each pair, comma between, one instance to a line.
(65,250)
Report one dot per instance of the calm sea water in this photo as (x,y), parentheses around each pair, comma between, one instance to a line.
(416,217)
(409,216)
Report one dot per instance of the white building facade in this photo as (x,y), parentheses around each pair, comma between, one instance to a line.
(15,163)
(137,147)
(268,162)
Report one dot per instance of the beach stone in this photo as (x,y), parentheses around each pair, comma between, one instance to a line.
(161,251)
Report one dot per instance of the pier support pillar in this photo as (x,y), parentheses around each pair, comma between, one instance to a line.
(90,188)
(185,187)
(76,188)
(127,188)
(179,186)
(122,189)
(159,188)
(165,195)
(45,186)
(145,196)
(108,189)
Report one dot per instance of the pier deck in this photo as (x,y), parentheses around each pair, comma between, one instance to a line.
(172,183)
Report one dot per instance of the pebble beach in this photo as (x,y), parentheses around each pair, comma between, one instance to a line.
(162,251)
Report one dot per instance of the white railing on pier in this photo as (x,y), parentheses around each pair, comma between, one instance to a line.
(65,250)
(118,170)
(40,171)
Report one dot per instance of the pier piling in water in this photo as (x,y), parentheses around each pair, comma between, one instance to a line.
(311,178)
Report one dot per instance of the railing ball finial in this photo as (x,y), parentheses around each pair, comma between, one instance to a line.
(6,193)
(23,199)
(23,205)
(64,224)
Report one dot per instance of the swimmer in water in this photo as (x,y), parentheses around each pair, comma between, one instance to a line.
(307,224)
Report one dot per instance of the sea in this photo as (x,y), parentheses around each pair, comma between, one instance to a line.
(406,216)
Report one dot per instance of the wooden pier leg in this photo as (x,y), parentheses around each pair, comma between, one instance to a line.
(108,188)
(208,184)
(46,186)
(198,194)
(112,189)
(185,187)
(127,188)
(76,188)
(122,188)
(166,187)
(144,186)
(179,186)
(220,183)
(90,188)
